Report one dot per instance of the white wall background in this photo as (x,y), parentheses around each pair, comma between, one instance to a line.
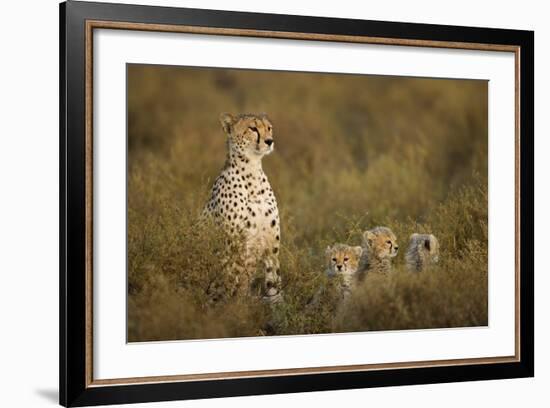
(29,201)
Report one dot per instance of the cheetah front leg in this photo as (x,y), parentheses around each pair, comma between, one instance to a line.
(272,281)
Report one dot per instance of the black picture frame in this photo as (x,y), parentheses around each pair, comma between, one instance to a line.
(74,389)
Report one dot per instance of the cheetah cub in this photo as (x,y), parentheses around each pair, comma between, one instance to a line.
(423,251)
(343,260)
(379,247)
(243,203)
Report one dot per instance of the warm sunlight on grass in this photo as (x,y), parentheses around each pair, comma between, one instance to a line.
(352,152)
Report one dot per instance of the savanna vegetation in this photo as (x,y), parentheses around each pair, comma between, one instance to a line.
(351,152)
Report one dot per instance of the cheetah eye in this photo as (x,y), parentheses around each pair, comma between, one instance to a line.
(333,259)
(346,259)
(388,242)
(255,130)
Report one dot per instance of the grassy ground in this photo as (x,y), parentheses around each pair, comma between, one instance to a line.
(352,152)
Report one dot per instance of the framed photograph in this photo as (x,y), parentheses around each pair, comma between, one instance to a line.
(257,203)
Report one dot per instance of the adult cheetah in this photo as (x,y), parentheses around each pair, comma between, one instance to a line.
(243,203)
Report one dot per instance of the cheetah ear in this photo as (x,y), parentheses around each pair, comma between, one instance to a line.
(433,241)
(328,252)
(427,243)
(358,251)
(227,120)
(368,237)
(413,237)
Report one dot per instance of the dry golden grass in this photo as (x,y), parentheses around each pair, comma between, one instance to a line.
(351,152)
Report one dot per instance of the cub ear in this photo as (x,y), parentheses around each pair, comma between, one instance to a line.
(227,120)
(413,237)
(433,241)
(427,243)
(368,237)
(328,255)
(358,251)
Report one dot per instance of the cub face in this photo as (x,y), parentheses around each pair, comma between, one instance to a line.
(381,242)
(248,134)
(342,259)
(427,246)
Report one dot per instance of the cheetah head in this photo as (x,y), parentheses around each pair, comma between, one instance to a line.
(427,245)
(249,135)
(381,242)
(342,259)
